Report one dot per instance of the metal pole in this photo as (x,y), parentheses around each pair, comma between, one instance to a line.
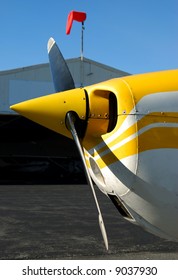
(81,57)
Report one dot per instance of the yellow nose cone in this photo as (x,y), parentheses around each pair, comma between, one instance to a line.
(50,110)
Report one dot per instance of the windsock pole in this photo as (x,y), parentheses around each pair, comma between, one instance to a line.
(81,57)
(80,17)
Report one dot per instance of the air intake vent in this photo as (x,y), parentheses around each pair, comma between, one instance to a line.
(120,207)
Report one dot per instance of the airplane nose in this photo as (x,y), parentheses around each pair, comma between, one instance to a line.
(50,110)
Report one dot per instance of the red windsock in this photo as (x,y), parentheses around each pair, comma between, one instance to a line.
(78,16)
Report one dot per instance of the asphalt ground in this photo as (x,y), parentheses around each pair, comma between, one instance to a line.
(60,222)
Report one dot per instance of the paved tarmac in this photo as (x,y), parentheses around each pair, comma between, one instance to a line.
(60,222)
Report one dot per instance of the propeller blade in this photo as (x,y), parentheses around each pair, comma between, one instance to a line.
(70,122)
(61,75)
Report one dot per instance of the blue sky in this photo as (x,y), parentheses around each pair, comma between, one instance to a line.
(135,36)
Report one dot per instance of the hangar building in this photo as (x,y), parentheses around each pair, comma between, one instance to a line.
(26,147)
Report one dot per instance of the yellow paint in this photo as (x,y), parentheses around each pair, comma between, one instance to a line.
(158,138)
(113,156)
(150,83)
(126,133)
(50,110)
(99,109)
(157,117)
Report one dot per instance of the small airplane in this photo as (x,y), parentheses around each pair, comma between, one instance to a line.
(126,132)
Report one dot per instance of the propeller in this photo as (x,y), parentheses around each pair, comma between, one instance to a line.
(61,75)
(63,80)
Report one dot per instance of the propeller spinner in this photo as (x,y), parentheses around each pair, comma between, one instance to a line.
(64,112)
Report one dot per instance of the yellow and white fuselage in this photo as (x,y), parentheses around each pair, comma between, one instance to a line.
(138,159)
(130,142)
